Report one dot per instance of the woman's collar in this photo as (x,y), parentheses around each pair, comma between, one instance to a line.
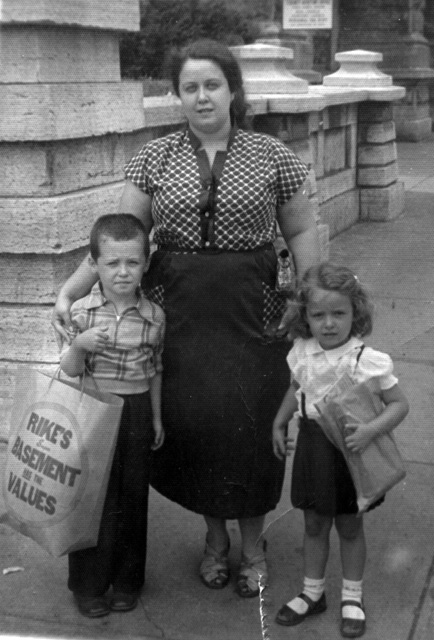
(196,142)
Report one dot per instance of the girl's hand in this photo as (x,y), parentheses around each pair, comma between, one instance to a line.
(93,340)
(282,444)
(159,435)
(358,436)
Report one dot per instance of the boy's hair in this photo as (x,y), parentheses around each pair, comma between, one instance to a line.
(332,277)
(118,226)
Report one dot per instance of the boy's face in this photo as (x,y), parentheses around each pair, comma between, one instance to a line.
(120,266)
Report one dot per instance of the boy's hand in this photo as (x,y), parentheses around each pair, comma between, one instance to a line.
(158,435)
(282,444)
(358,436)
(93,340)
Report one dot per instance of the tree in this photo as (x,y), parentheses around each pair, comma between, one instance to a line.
(168,24)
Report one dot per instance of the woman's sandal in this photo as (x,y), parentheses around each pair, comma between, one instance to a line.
(214,568)
(352,627)
(252,572)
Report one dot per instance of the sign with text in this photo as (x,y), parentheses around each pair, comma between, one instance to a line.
(307,14)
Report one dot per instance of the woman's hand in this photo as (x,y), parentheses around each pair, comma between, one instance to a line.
(282,443)
(159,434)
(61,320)
(285,321)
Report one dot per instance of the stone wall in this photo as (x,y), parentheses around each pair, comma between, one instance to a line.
(69,124)
(396,29)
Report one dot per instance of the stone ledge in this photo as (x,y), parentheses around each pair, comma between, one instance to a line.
(414,130)
(333,185)
(30,279)
(26,333)
(377,133)
(377,176)
(74,110)
(341,212)
(63,166)
(53,54)
(162,110)
(377,154)
(122,15)
(54,225)
(382,204)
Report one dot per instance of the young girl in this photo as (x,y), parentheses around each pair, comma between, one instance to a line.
(334,313)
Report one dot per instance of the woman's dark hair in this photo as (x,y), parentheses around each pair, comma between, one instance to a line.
(218,53)
(119,226)
(332,277)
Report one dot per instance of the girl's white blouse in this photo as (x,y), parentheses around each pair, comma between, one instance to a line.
(317,370)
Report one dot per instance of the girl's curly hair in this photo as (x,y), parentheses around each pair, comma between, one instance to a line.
(332,277)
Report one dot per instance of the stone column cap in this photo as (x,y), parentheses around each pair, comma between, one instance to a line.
(359,55)
(358,69)
(259,51)
(263,67)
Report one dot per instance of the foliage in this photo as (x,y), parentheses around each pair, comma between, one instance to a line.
(167,24)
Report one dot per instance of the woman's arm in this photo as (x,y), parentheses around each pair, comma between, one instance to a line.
(299,230)
(134,201)
(397,407)
(282,444)
(155,392)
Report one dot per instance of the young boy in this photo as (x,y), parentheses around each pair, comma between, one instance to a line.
(119,338)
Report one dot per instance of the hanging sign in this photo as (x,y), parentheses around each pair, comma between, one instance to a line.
(307,14)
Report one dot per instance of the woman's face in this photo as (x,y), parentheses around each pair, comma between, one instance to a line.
(205,96)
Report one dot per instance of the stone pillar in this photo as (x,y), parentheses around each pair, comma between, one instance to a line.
(381,193)
(300,42)
(65,120)
(397,32)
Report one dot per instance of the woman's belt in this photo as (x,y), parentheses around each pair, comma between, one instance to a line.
(171,247)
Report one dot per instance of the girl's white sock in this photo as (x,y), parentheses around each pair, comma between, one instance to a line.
(352,590)
(311,588)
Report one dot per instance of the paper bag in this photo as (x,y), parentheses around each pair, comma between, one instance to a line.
(59,457)
(379,467)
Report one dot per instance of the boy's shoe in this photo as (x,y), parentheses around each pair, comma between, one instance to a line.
(289,618)
(92,606)
(124,601)
(352,627)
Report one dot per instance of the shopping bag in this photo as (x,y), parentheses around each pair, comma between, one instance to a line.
(60,451)
(379,467)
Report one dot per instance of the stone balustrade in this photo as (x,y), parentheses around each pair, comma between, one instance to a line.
(69,124)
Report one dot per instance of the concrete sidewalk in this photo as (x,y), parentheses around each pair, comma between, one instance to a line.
(396,262)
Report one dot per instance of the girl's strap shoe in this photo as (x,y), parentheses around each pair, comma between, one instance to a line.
(289,618)
(352,627)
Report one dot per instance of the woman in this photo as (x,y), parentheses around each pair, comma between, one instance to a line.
(213,194)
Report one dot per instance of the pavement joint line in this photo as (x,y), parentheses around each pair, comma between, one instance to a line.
(419,462)
(420,604)
(397,358)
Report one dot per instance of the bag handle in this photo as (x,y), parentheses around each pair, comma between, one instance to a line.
(87,371)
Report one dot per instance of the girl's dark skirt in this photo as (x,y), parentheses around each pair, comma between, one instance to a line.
(222,381)
(321,480)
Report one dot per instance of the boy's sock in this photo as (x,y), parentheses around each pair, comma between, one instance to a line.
(352,590)
(311,588)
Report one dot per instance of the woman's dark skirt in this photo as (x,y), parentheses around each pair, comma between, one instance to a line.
(321,480)
(222,381)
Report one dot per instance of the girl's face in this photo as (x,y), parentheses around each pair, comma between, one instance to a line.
(330,317)
(205,96)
